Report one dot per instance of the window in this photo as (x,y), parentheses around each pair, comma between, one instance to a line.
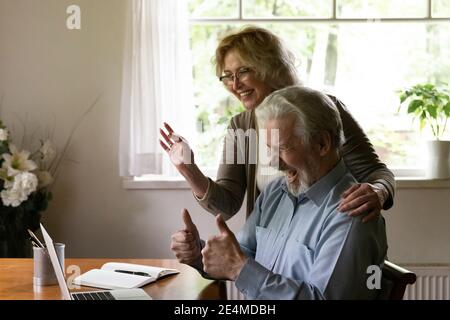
(361,51)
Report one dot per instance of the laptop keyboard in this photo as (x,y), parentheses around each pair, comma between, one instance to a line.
(99,295)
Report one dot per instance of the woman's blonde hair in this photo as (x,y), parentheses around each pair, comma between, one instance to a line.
(262,51)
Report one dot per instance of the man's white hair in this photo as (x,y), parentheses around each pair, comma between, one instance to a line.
(315,113)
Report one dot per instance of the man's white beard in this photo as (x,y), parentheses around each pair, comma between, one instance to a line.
(297,187)
(305,178)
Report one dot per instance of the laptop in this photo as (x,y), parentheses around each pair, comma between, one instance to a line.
(119,294)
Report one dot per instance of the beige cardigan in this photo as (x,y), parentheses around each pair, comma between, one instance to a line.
(226,194)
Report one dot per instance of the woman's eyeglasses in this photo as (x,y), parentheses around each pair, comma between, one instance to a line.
(242,75)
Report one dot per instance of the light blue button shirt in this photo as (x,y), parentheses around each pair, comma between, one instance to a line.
(304,248)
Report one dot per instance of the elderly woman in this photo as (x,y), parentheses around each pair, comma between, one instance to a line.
(252,64)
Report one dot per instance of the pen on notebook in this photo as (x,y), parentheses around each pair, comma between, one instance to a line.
(35,238)
(134,272)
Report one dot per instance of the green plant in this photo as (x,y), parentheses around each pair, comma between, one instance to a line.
(429,104)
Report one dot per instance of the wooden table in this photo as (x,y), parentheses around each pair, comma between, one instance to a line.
(16,281)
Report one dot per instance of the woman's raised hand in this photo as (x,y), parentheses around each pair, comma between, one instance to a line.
(177,147)
(182,157)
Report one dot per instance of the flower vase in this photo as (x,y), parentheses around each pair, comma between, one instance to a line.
(14,243)
(14,222)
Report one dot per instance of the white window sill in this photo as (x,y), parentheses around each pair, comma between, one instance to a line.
(178,183)
(421,183)
(158,183)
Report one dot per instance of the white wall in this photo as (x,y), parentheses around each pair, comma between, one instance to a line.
(48,72)
(418,226)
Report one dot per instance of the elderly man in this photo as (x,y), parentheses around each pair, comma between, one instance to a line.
(296,244)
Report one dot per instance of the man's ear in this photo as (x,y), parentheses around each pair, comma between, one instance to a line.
(324,143)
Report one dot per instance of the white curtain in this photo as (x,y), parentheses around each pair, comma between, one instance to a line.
(157,84)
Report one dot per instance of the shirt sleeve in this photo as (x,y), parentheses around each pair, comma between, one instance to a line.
(345,249)
(226,194)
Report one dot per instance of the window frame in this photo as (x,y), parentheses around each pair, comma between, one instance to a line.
(333,19)
(402,173)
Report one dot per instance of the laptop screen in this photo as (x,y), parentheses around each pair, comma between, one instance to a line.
(56,266)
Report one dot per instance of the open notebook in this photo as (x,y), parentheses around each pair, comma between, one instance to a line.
(116,275)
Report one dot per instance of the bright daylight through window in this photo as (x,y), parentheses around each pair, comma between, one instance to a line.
(363,52)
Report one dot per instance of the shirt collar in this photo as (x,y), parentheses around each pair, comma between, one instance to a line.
(319,190)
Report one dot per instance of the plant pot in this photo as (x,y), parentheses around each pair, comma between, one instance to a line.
(14,243)
(14,222)
(438,164)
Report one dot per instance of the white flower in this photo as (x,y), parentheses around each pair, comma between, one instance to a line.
(19,189)
(17,162)
(9,183)
(3,134)
(44,179)
(48,151)
(26,182)
(11,198)
(4,174)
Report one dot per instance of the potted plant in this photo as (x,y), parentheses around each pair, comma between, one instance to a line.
(430,105)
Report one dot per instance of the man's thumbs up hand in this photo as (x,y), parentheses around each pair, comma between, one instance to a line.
(185,243)
(222,225)
(190,226)
(222,255)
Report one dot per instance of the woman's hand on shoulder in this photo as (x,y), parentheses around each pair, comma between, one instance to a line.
(362,198)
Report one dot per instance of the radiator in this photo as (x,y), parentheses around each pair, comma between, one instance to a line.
(433,283)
